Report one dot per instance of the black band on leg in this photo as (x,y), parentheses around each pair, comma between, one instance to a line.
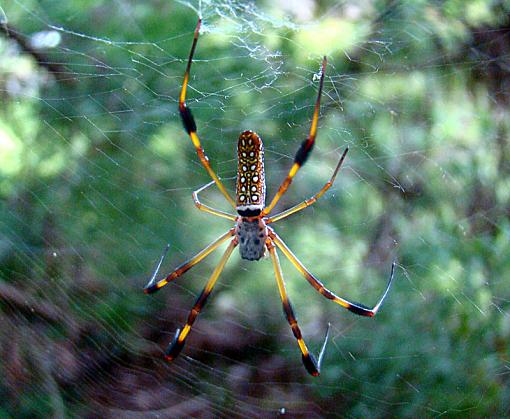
(288,310)
(175,348)
(187,119)
(311,364)
(304,152)
(360,310)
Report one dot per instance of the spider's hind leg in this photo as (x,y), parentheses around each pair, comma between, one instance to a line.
(190,125)
(310,201)
(304,150)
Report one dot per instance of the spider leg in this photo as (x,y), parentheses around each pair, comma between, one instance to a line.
(311,200)
(189,122)
(180,335)
(312,364)
(153,285)
(304,150)
(356,308)
(205,208)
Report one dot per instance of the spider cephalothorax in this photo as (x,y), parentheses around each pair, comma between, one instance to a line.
(251,231)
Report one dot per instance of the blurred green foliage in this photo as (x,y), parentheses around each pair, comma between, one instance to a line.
(96,175)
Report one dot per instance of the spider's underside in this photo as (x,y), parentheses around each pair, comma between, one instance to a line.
(251,230)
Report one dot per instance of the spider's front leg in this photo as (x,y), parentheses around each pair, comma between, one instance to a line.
(179,340)
(312,364)
(356,308)
(154,285)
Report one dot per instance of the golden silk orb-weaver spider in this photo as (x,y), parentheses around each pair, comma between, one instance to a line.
(251,231)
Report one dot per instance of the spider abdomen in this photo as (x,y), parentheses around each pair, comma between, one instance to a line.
(251,236)
(251,183)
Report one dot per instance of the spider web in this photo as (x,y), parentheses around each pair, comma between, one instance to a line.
(96,176)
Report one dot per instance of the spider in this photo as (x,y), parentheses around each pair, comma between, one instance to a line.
(251,231)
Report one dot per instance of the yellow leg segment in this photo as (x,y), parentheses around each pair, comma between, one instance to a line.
(311,200)
(356,308)
(304,150)
(210,210)
(180,337)
(311,364)
(154,285)
(190,125)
